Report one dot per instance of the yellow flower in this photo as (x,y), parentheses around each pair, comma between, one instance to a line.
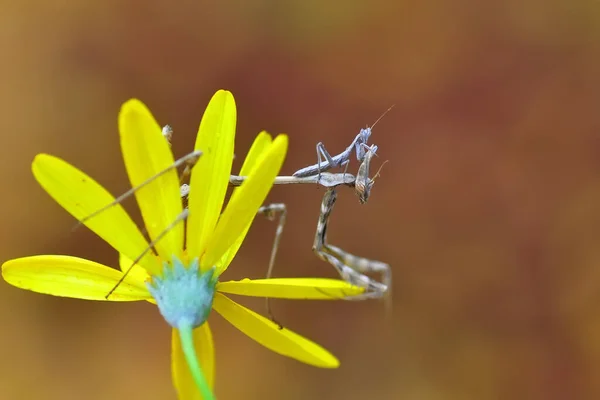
(181,274)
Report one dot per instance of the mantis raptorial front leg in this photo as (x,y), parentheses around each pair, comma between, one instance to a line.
(352,269)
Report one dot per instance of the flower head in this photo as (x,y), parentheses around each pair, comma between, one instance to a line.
(181,273)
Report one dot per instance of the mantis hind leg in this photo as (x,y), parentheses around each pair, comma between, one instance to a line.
(272,211)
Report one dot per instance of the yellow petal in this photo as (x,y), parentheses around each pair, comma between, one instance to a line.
(81,196)
(291,288)
(205,351)
(267,333)
(136,272)
(245,202)
(210,175)
(261,144)
(146,153)
(74,277)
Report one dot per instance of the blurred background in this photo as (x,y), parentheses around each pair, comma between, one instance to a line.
(488,210)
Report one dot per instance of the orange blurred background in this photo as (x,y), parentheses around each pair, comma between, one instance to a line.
(488,211)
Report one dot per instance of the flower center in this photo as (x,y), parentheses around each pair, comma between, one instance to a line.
(184,294)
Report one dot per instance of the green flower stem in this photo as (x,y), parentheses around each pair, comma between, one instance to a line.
(187,344)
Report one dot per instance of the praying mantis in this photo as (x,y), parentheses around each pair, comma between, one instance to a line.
(351,268)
